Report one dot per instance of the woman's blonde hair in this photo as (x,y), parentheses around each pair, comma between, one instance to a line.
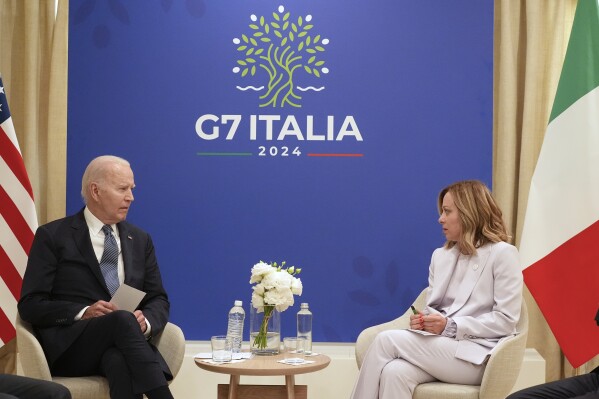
(480,216)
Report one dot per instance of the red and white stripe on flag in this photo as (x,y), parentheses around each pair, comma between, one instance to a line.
(18,221)
(560,239)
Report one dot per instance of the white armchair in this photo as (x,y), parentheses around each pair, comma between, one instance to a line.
(500,375)
(170,344)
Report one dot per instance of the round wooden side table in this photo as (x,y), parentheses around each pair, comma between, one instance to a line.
(264,366)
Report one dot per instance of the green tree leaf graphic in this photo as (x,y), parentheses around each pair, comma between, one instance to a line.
(267,47)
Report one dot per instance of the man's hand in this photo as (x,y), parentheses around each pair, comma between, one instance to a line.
(98,309)
(141,319)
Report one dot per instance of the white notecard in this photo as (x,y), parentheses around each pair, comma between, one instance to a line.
(127,297)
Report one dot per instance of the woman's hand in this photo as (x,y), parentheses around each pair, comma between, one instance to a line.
(416,321)
(433,323)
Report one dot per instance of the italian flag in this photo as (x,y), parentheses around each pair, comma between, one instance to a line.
(560,241)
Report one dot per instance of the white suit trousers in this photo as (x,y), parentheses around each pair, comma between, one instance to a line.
(398,360)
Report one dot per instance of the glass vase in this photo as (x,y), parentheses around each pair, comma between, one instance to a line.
(265,331)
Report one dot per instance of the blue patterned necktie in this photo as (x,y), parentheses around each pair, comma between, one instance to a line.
(110,260)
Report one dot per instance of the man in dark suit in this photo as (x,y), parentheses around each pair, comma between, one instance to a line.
(584,386)
(18,387)
(75,265)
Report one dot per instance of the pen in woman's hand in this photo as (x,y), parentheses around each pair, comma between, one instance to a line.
(418,320)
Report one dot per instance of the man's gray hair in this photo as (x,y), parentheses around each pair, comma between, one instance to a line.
(96,172)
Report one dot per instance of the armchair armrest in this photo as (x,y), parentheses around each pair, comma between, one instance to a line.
(171,345)
(367,336)
(31,355)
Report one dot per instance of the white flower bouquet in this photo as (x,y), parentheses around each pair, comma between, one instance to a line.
(274,289)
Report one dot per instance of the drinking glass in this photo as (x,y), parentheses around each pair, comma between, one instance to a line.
(221,349)
(293,350)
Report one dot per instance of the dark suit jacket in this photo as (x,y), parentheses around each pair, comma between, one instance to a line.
(63,276)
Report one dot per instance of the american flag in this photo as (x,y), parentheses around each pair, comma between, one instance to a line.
(18,221)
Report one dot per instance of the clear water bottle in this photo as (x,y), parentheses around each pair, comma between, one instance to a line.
(235,327)
(304,326)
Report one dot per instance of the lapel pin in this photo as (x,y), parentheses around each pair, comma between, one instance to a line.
(129,237)
(475,267)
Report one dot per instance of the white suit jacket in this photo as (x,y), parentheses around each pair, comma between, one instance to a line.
(488,305)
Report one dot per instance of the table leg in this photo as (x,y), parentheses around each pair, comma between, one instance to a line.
(233,384)
(290,384)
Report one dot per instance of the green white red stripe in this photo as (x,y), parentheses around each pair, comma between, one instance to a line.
(560,241)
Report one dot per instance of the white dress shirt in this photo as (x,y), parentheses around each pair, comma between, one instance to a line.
(97,236)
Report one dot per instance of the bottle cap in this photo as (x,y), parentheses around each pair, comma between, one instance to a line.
(238,303)
(304,305)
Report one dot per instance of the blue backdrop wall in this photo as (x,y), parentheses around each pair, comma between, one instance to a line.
(315,132)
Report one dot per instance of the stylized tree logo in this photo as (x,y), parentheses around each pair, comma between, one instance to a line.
(281,48)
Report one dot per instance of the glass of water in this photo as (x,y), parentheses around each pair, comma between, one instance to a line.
(221,349)
(293,352)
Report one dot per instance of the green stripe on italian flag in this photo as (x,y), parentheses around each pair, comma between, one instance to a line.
(559,248)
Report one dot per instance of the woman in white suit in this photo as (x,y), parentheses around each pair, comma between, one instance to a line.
(473,301)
